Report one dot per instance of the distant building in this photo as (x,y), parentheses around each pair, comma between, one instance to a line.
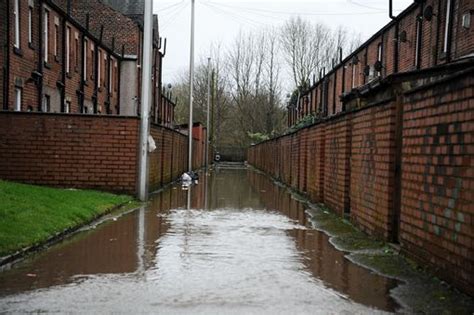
(131,8)
(81,56)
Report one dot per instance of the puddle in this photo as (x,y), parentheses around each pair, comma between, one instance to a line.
(235,243)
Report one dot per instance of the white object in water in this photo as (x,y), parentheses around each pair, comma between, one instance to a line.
(185,177)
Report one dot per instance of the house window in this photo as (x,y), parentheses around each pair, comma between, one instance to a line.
(111,74)
(86,42)
(92,61)
(106,69)
(115,76)
(99,62)
(68,49)
(30,23)
(16,16)
(353,75)
(379,56)
(46,35)
(447,27)
(56,38)
(46,107)
(76,52)
(18,97)
(67,107)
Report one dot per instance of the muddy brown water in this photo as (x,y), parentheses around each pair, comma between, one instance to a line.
(235,243)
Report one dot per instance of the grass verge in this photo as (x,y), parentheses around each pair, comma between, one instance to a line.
(30,215)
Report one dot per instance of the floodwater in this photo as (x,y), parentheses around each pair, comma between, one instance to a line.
(234,244)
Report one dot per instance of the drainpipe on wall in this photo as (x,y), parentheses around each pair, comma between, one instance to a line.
(6,66)
(81,87)
(109,81)
(438,24)
(419,37)
(40,55)
(96,68)
(396,38)
(63,66)
(119,76)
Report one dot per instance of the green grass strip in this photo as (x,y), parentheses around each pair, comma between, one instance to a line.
(32,214)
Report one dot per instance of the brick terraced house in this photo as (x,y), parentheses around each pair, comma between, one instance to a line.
(81,56)
(427,34)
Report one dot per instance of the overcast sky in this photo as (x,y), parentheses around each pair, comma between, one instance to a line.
(220,21)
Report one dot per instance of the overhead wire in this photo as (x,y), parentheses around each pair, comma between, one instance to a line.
(231,14)
(250,9)
(237,17)
(363,5)
(170,6)
(173,15)
(266,15)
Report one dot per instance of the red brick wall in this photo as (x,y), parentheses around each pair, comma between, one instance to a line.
(303,160)
(69,150)
(337,148)
(372,169)
(315,166)
(437,195)
(295,161)
(358,171)
(170,158)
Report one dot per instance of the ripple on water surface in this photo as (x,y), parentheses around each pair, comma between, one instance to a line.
(222,260)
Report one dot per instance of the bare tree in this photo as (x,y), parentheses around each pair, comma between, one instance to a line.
(306,48)
(253,67)
(309,48)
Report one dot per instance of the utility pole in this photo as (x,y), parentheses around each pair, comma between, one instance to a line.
(145,100)
(213,93)
(208,105)
(191,86)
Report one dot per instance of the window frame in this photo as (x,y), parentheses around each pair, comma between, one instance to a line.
(99,63)
(56,39)
(111,74)
(380,56)
(46,35)
(46,106)
(76,51)
(17,24)
(18,98)
(68,49)
(30,24)
(85,43)
(67,107)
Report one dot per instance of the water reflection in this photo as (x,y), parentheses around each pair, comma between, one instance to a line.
(233,243)
(321,258)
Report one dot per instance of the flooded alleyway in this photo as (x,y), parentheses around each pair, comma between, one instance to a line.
(235,243)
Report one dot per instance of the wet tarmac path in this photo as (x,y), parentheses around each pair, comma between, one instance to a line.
(234,244)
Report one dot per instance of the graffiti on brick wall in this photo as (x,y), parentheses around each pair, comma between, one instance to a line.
(441,180)
(368,170)
(333,162)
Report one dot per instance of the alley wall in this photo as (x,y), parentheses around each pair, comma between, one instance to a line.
(88,151)
(400,167)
